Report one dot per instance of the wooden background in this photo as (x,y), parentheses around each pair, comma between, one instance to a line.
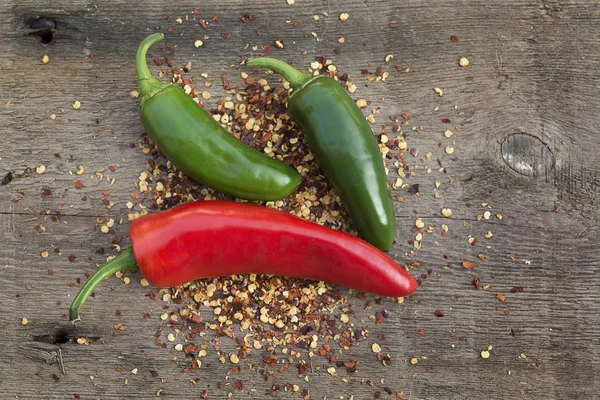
(534,79)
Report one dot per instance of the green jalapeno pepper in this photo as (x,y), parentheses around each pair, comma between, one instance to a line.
(342,140)
(198,145)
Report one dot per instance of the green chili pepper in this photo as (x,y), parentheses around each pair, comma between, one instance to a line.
(342,140)
(197,144)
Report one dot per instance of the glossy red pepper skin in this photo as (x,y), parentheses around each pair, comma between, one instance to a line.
(218,238)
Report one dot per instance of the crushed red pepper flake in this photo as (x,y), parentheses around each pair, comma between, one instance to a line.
(468,264)
(266,50)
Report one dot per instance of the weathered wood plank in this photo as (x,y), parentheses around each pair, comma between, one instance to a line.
(534,70)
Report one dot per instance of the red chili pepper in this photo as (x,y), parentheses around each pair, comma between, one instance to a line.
(218,238)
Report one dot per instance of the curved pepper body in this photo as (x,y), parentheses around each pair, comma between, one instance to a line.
(219,238)
(197,144)
(342,140)
(200,147)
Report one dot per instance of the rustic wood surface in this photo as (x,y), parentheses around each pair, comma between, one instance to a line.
(525,116)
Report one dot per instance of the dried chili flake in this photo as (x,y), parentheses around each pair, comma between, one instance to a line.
(225,35)
(266,50)
(117,238)
(439,313)
(247,17)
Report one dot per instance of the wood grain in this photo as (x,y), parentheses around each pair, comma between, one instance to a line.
(534,69)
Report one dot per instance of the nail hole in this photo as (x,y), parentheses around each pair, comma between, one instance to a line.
(44,35)
(43,29)
(60,338)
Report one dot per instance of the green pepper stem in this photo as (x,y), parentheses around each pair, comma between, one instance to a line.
(149,85)
(291,74)
(123,261)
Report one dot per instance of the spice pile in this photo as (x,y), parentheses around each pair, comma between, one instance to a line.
(283,322)
(287,322)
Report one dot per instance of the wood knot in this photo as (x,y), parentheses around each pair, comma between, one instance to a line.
(527,155)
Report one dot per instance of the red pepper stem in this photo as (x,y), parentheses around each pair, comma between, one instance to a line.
(291,74)
(123,261)
(149,85)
